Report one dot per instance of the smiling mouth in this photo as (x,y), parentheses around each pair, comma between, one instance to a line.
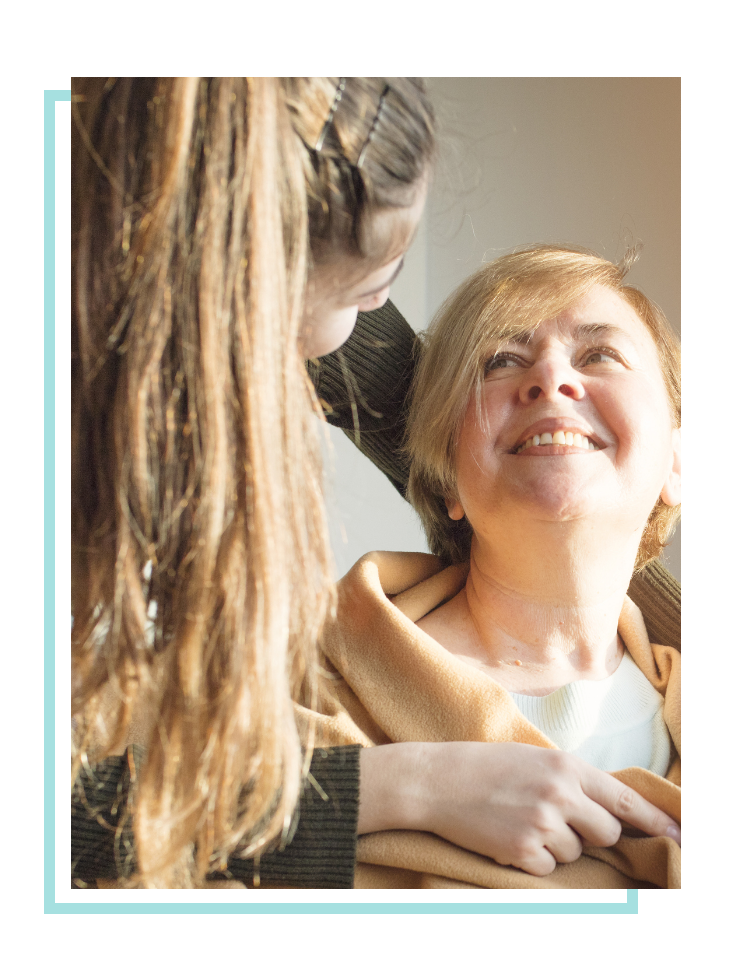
(560,439)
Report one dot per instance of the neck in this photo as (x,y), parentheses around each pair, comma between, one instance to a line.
(545,604)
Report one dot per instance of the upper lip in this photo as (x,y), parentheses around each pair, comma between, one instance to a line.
(549,425)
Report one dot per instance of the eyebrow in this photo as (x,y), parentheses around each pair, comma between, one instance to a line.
(584,330)
(380,288)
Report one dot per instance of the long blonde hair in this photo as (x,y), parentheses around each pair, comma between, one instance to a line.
(201,572)
(518,290)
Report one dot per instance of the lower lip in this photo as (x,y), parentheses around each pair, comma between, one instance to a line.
(554,449)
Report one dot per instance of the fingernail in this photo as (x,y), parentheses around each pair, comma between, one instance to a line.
(674,832)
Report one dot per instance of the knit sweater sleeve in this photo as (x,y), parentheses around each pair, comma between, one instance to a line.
(320,855)
(365,387)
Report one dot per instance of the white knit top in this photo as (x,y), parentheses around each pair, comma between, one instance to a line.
(612,724)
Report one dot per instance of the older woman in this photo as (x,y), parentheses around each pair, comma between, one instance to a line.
(545,450)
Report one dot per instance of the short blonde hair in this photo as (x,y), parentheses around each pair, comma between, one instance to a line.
(516,291)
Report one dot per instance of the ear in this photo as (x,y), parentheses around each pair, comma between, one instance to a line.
(454,507)
(671,493)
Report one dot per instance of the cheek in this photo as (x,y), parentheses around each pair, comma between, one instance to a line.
(482,433)
(475,456)
(639,415)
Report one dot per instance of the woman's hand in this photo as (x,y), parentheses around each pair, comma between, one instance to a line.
(520,805)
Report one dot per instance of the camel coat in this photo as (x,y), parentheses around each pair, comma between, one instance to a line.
(390,682)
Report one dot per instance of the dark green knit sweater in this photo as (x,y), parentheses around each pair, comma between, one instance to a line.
(321,855)
(364,387)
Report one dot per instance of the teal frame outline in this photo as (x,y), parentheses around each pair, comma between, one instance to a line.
(51,97)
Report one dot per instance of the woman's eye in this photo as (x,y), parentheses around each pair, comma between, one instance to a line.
(500,362)
(599,356)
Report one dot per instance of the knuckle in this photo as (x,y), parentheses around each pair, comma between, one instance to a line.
(524,851)
(559,761)
(625,802)
(552,793)
(545,823)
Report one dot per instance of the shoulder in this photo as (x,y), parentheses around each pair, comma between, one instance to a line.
(394,572)
(447,622)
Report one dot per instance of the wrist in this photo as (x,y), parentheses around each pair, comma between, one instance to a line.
(395,787)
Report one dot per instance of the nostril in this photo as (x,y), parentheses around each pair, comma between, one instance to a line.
(566,390)
(534,393)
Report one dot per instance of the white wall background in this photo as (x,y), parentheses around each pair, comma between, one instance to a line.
(588,161)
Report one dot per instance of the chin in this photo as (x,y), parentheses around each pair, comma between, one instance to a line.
(313,350)
(563,503)
(328,341)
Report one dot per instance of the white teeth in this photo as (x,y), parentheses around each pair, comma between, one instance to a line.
(559,437)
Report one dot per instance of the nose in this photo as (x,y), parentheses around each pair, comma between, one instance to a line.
(374,301)
(551,377)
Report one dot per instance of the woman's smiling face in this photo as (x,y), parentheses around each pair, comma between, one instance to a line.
(591,379)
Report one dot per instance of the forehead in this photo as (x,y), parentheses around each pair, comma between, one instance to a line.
(598,310)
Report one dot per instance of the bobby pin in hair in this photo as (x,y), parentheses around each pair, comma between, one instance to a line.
(372,130)
(338,95)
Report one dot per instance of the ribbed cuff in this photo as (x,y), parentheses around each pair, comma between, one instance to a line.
(102,846)
(321,855)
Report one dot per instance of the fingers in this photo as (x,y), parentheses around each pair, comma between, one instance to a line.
(566,846)
(538,861)
(625,803)
(521,805)
(595,824)
(539,853)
